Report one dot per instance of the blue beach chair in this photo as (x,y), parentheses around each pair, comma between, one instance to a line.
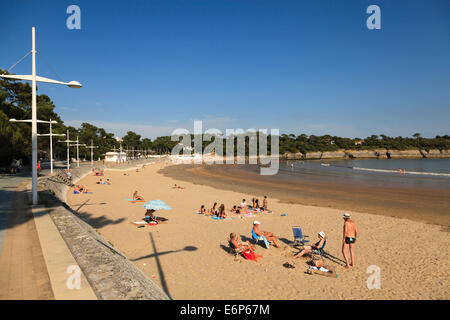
(299,238)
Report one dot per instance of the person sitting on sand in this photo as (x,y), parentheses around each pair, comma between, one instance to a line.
(243,205)
(256,205)
(177,187)
(137,197)
(235,209)
(149,217)
(317,246)
(269,235)
(221,212)
(107,181)
(213,209)
(237,245)
(202,209)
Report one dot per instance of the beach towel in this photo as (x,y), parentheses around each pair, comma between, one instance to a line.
(249,215)
(217,218)
(143,223)
(131,200)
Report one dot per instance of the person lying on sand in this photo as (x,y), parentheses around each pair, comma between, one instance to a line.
(80,189)
(178,187)
(318,245)
(269,235)
(137,197)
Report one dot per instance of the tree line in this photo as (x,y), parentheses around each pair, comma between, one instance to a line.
(15,138)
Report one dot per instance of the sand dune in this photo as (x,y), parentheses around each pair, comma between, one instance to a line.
(186,256)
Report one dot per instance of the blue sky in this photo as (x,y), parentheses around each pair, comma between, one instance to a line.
(300,66)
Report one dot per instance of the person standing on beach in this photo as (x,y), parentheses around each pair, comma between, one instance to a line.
(265,203)
(349,239)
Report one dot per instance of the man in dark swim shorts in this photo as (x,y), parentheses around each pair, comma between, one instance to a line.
(349,239)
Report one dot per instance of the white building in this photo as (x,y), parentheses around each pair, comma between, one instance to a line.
(115,157)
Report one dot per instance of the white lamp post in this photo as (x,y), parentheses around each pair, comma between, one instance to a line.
(54,134)
(35,78)
(78,153)
(68,153)
(92,147)
(51,134)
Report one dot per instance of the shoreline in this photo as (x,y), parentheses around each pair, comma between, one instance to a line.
(429,206)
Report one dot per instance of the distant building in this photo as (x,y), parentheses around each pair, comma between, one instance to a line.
(115,157)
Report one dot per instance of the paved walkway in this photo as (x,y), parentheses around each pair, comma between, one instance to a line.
(34,259)
(23,271)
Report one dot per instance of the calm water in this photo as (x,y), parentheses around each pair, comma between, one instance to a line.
(419,172)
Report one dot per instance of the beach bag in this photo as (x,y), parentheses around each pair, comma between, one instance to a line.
(249,255)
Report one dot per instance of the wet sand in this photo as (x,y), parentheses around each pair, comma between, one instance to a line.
(188,256)
(428,205)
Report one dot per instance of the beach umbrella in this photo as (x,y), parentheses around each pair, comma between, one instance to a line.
(156,205)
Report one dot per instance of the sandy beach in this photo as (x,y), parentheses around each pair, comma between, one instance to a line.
(187,256)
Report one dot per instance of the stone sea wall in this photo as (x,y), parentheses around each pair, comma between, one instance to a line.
(111,275)
(368,154)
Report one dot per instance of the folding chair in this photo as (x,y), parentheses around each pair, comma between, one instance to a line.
(299,238)
(235,251)
(259,238)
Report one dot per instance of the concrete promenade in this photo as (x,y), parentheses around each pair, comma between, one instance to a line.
(34,259)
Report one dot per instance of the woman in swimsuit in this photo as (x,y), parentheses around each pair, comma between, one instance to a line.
(202,209)
(136,196)
(318,245)
(213,209)
(241,247)
(221,212)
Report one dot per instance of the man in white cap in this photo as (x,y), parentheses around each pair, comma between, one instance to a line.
(269,235)
(349,240)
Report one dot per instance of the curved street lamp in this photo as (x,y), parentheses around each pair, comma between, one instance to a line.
(35,78)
